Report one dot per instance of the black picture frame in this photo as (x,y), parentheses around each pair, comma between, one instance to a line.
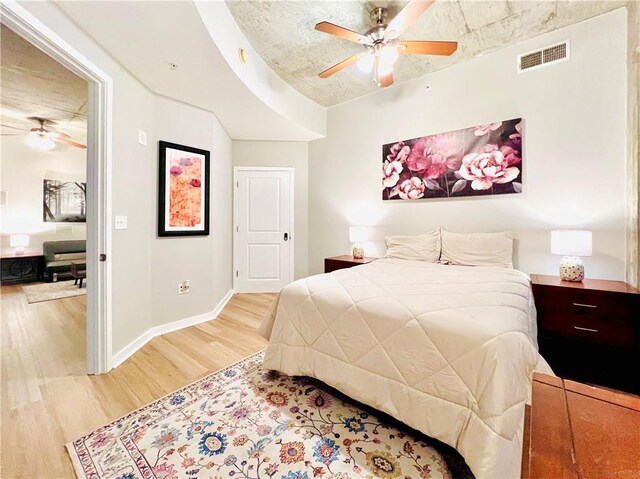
(171,152)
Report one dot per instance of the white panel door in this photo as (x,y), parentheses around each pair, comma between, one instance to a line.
(263,230)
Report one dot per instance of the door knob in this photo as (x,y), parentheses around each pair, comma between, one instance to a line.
(286,236)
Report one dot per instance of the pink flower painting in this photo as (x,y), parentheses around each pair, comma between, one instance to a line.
(184,190)
(185,194)
(476,161)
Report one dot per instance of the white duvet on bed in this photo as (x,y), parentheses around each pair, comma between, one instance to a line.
(448,350)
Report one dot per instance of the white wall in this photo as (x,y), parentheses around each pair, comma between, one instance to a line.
(574,151)
(290,154)
(203,260)
(22,171)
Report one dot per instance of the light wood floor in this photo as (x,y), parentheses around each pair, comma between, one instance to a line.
(47,399)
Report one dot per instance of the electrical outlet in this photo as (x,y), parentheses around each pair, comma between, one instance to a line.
(183,287)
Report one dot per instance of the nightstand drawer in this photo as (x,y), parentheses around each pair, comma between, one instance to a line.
(590,327)
(592,303)
(330,265)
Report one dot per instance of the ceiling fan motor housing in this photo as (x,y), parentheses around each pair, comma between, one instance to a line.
(379,19)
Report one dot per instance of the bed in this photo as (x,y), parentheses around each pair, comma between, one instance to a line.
(448,350)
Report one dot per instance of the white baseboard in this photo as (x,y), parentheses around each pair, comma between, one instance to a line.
(126,352)
(121,356)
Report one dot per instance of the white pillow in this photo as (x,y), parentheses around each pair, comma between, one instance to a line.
(425,247)
(477,249)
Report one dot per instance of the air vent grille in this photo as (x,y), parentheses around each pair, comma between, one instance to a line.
(530,60)
(552,54)
(544,56)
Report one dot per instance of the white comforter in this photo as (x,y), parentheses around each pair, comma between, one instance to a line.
(448,350)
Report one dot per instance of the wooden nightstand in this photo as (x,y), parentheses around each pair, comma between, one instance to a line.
(341,262)
(573,430)
(589,331)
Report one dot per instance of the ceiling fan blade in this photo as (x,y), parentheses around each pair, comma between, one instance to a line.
(406,17)
(428,48)
(339,66)
(12,127)
(70,143)
(386,80)
(331,29)
(14,134)
(56,134)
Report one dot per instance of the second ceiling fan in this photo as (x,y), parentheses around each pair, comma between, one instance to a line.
(381,43)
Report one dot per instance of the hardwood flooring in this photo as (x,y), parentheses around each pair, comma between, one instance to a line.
(47,399)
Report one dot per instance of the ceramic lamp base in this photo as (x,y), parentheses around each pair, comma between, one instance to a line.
(571,269)
(358,252)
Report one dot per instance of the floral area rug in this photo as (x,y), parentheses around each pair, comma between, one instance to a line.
(246,422)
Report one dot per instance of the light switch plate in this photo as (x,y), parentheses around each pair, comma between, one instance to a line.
(142,138)
(120,222)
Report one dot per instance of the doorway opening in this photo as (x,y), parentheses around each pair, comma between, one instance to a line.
(64,201)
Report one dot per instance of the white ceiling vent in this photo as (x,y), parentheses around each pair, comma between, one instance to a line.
(544,56)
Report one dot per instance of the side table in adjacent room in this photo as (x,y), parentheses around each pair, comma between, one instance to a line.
(21,268)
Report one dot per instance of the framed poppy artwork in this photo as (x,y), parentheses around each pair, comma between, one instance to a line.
(477,161)
(183,190)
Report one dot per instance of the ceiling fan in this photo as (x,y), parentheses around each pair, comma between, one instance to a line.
(42,137)
(381,43)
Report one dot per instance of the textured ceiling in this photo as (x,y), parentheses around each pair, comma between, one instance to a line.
(282,33)
(33,84)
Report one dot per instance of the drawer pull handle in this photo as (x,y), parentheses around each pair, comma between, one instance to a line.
(585,329)
(582,305)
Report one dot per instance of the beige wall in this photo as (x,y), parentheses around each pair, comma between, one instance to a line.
(22,170)
(574,151)
(203,260)
(289,154)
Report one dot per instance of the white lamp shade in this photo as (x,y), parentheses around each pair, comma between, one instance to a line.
(359,234)
(17,241)
(571,242)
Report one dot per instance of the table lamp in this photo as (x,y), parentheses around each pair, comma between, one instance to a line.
(357,235)
(19,242)
(571,244)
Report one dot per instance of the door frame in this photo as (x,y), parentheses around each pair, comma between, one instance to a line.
(236,170)
(99,140)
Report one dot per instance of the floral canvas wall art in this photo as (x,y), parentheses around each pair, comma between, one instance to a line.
(183,191)
(477,161)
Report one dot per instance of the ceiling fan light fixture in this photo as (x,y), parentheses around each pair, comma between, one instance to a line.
(365,63)
(384,69)
(388,55)
(40,142)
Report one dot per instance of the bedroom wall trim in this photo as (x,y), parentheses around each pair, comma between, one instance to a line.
(99,164)
(633,147)
(135,345)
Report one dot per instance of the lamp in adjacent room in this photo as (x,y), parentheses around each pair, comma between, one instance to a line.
(571,244)
(358,235)
(19,242)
